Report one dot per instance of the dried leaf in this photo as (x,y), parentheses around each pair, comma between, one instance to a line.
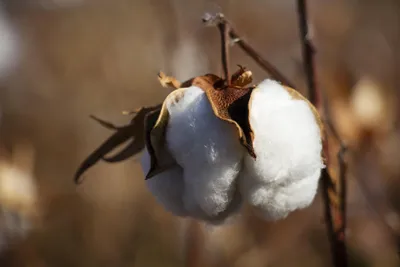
(242,77)
(104,123)
(134,147)
(133,130)
(168,81)
(136,126)
(155,127)
(111,143)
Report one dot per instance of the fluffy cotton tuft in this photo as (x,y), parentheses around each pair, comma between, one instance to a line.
(209,152)
(287,141)
(167,187)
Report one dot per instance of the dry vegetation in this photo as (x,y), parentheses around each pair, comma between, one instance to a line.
(102,57)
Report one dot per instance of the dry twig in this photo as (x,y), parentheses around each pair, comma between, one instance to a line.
(219,19)
(334,190)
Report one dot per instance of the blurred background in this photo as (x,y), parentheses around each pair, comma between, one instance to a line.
(62,60)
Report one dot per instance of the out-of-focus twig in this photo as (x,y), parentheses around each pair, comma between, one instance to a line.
(193,244)
(224,32)
(219,19)
(334,190)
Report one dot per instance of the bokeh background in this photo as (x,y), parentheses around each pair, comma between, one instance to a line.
(62,60)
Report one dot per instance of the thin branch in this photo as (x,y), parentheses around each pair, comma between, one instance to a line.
(343,192)
(194,243)
(219,19)
(264,64)
(224,32)
(308,52)
(333,191)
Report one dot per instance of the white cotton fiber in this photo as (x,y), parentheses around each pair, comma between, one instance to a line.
(166,187)
(209,152)
(284,176)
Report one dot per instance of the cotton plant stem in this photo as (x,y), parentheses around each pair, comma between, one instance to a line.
(236,38)
(224,32)
(334,190)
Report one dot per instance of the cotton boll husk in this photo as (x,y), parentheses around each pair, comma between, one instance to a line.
(167,187)
(287,141)
(208,150)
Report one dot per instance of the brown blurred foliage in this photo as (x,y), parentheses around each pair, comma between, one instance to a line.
(102,57)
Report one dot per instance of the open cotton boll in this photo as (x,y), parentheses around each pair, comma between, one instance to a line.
(208,150)
(166,187)
(287,141)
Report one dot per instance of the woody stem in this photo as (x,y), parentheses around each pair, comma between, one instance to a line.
(335,215)
(226,27)
(224,32)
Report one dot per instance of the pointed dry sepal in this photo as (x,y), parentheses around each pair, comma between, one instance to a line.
(155,129)
(242,77)
(168,81)
(134,130)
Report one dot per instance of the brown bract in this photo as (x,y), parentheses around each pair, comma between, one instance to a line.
(132,132)
(229,103)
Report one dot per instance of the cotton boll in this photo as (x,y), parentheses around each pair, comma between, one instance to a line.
(207,149)
(166,187)
(287,142)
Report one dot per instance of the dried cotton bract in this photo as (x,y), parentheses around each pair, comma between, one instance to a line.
(214,145)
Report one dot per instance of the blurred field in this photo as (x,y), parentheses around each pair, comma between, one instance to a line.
(101,57)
